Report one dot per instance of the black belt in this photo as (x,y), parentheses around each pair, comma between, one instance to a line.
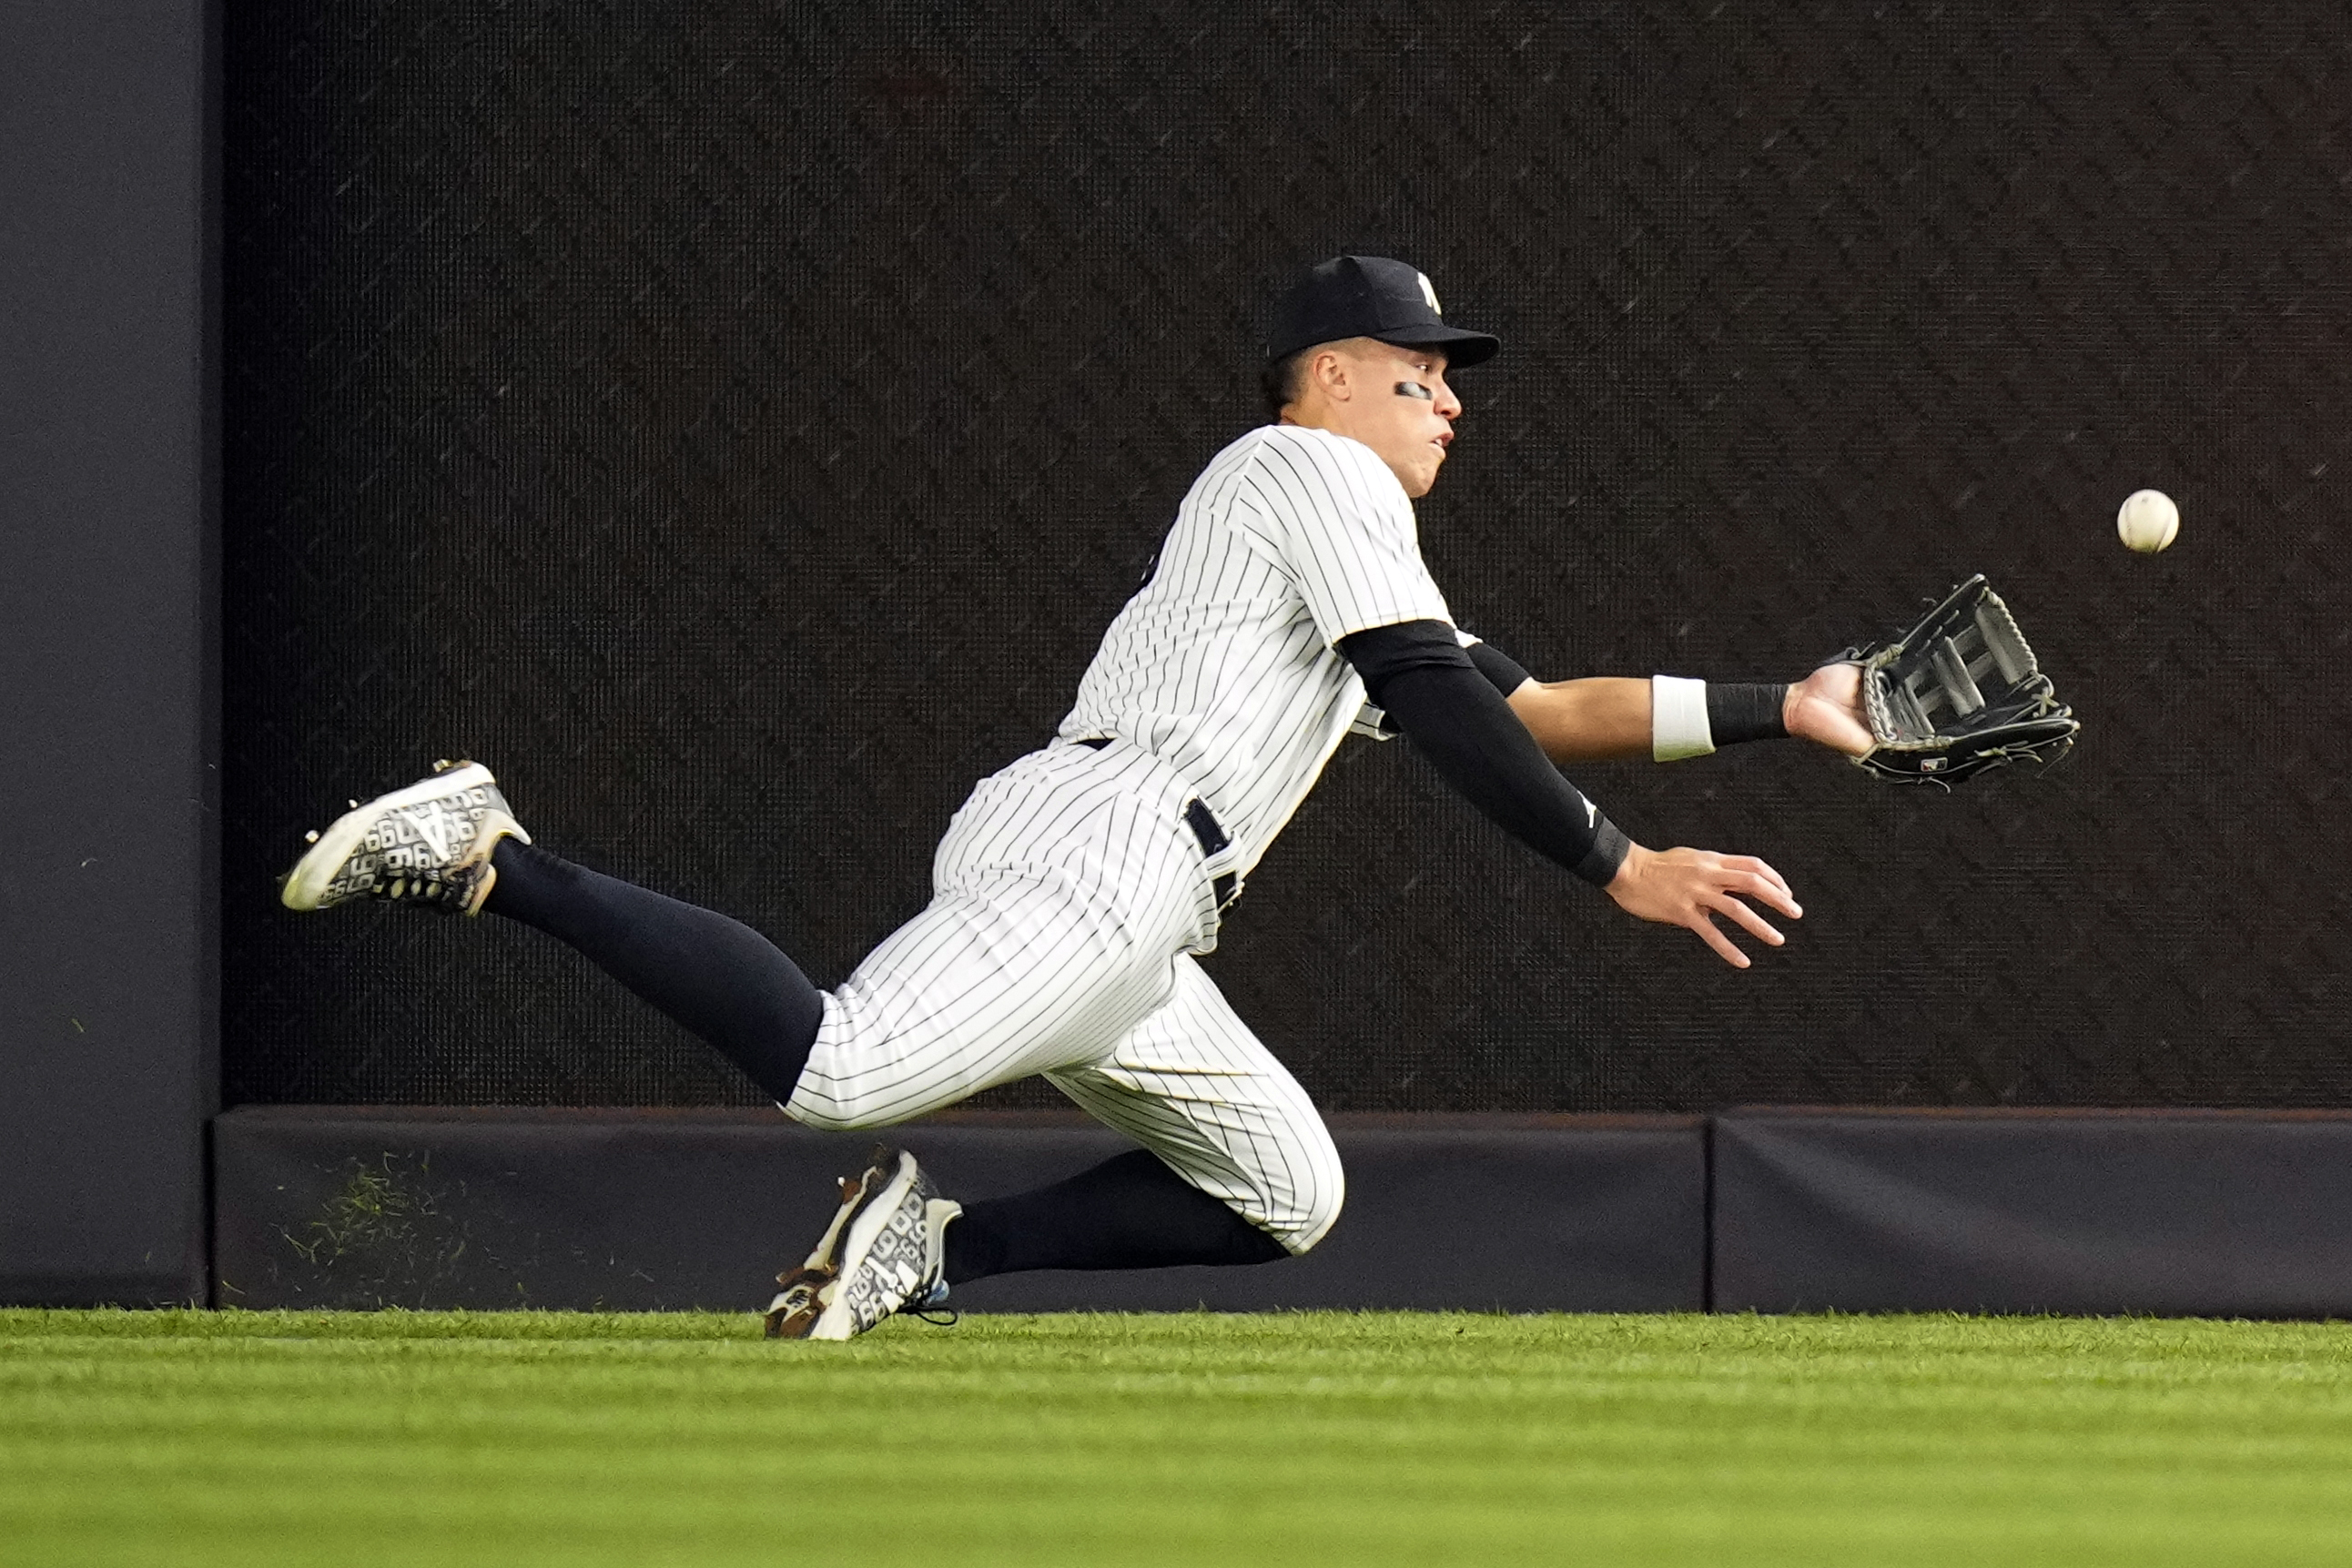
(1205,828)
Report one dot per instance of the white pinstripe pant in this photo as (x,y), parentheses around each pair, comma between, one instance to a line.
(1069,901)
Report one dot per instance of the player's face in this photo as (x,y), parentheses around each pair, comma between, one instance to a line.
(1403,410)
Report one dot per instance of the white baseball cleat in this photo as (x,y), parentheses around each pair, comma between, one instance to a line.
(884,1253)
(430,843)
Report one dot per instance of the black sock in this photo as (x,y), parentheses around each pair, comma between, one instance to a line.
(715,976)
(1132,1212)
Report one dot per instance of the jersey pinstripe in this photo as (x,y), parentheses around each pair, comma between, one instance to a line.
(1223,664)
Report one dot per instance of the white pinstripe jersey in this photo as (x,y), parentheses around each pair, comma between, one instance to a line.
(1223,663)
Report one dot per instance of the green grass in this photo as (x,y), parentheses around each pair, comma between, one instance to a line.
(177,1438)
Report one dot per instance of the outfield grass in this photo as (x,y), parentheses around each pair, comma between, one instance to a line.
(177,1438)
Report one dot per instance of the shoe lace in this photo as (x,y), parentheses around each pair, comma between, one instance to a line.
(931,1305)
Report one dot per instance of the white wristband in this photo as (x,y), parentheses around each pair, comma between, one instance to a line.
(1678,726)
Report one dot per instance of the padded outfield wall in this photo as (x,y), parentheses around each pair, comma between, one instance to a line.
(738,434)
(109,520)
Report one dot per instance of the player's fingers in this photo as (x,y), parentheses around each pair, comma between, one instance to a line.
(1717,940)
(1751,864)
(1755,923)
(1772,893)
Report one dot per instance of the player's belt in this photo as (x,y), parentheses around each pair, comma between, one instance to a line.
(1205,827)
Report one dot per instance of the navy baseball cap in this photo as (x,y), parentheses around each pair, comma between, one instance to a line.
(1370,297)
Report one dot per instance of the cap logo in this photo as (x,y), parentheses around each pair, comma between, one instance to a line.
(1429,293)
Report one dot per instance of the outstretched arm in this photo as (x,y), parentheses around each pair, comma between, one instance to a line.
(1604,718)
(1455,713)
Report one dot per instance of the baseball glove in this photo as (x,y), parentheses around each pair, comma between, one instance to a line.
(1958,693)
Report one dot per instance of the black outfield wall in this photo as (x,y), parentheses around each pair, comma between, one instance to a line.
(108,753)
(2172,1212)
(2245,1214)
(356,1207)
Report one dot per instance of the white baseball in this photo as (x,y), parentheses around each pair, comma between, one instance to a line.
(2148,521)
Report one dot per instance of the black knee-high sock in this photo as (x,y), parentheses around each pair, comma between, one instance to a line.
(1130,1212)
(715,976)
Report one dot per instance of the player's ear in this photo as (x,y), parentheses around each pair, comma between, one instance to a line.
(1328,370)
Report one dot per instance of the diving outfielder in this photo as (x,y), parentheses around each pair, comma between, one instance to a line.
(1076,888)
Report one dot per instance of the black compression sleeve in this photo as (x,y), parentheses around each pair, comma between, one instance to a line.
(1384,652)
(1419,673)
(1505,674)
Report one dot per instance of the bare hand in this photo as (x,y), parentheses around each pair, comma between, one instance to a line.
(1825,707)
(1689,887)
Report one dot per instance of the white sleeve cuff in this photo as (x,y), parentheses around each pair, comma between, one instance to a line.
(1678,726)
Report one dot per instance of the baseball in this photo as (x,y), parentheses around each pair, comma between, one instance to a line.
(2148,521)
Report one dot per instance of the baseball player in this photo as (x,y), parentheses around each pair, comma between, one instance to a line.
(1076,888)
